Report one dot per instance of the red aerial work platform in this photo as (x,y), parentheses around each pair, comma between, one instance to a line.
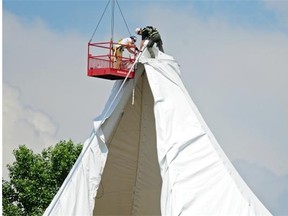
(102,61)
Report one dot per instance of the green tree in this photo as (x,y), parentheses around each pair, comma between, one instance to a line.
(36,178)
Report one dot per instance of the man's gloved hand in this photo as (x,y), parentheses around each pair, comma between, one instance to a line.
(137,50)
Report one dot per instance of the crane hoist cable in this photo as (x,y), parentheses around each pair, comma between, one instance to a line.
(123,17)
(112,18)
(99,21)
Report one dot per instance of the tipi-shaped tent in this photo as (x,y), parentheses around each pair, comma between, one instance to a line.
(155,156)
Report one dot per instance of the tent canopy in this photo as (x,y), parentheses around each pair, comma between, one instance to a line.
(155,156)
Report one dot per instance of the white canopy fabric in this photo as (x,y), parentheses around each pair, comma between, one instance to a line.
(155,156)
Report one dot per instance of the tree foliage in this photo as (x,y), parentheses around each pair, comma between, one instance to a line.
(36,178)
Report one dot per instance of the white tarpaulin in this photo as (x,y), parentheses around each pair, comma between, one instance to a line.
(153,157)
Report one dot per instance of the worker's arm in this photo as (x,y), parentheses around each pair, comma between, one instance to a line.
(130,50)
(130,46)
(141,44)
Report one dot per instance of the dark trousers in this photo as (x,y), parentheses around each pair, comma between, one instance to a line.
(156,38)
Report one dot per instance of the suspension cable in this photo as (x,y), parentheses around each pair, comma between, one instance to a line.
(123,17)
(112,19)
(99,21)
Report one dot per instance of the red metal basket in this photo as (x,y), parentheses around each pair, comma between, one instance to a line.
(102,61)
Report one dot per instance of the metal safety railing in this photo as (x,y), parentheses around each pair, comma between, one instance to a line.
(103,55)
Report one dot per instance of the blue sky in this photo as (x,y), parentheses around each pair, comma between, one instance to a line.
(233,58)
(83,15)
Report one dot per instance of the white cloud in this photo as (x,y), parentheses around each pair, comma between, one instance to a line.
(23,125)
(50,70)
